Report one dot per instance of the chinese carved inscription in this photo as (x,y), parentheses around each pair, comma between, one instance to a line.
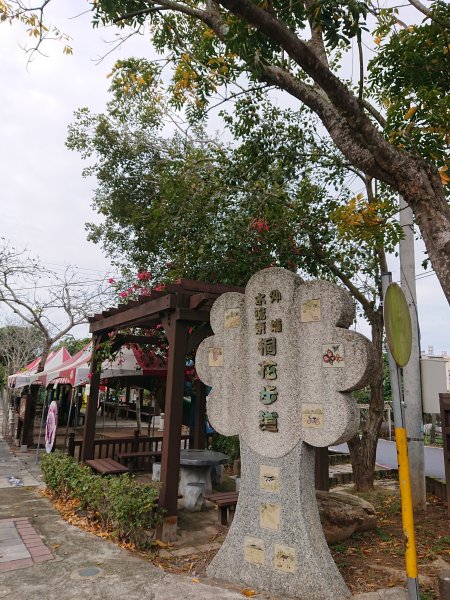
(268,370)
(268,421)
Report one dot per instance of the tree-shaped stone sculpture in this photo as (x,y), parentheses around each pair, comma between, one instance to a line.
(282,364)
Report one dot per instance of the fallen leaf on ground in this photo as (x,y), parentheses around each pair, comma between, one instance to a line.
(195,580)
(162,544)
(248,593)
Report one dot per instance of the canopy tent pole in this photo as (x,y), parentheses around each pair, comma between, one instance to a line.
(68,417)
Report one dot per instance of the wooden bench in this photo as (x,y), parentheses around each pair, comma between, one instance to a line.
(132,457)
(226,504)
(107,466)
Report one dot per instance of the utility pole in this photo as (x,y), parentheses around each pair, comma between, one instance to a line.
(412,388)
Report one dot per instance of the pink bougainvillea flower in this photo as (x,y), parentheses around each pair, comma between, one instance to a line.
(123,294)
(144,275)
(89,375)
(259,225)
(111,280)
(160,287)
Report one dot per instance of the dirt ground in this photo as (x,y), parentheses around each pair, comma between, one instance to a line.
(375,559)
(368,561)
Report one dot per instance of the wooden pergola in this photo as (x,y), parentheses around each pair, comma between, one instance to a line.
(177,309)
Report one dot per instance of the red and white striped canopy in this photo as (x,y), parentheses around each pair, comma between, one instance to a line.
(28,374)
(128,362)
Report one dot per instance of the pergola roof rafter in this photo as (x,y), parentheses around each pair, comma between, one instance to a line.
(191,300)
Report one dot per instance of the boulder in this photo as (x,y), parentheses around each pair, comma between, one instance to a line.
(343,514)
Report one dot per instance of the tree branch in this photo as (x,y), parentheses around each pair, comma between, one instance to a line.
(163,5)
(357,294)
(375,113)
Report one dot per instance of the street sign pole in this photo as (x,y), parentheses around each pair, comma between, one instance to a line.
(401,355)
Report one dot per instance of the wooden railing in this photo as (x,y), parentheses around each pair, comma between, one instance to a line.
(109,448)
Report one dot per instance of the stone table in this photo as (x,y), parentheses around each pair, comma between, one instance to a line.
(195,466)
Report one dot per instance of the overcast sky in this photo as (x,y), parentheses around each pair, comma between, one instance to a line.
(44,200)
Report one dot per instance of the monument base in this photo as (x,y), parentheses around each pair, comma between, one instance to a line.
(276,542)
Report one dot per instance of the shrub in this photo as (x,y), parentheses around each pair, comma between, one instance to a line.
(125,507)
(227,445)
(129,507)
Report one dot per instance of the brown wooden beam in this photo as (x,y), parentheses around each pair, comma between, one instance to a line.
(200,416)
(139,339)
(322,476)
(211,288)
(128,317)
(170,460)
(199,300)
(198,336)
(193,316)
(444,405)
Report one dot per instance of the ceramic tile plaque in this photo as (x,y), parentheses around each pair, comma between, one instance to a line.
(215,357)
(312,416)
(269,515)
(232,318)
(254,550)
(310,311)
(284,559)
(333,355)
(269,479)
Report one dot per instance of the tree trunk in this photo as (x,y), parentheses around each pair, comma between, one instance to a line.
(423,191)
(363,450)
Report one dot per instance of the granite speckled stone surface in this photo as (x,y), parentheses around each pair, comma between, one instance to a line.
(282,364)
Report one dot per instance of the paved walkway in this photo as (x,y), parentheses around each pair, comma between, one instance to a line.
(42,556)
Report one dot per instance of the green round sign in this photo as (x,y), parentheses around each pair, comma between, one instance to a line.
(397,322)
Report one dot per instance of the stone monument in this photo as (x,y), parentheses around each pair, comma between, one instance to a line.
(282,364)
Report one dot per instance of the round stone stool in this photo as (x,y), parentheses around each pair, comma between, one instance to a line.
(217,474)
(194,496)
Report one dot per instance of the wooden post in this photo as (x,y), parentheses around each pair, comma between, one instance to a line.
(200,416)
(136,440)
(28,422)
(139,404)
(71,445)
(87,450)
(176,332)
(444,402)
(322,469)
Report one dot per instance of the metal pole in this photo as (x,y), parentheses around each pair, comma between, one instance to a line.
(72,396)
(412,384)
(403,469)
